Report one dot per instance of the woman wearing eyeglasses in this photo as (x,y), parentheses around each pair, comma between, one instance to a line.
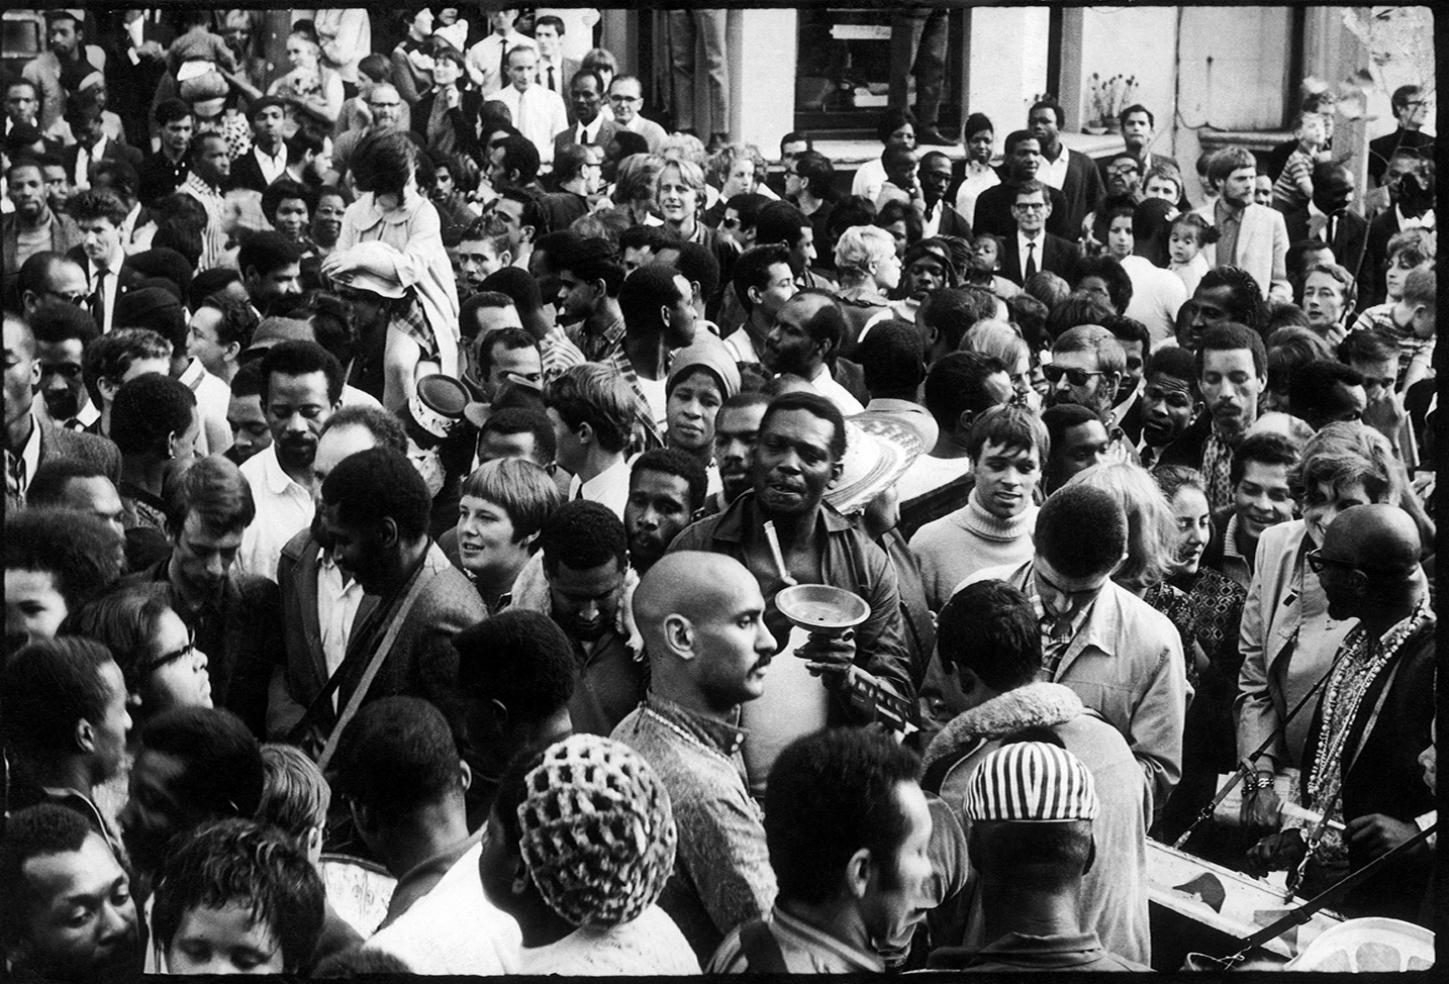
(152,646)
(1287,638)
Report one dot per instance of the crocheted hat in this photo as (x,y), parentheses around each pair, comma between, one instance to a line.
(598,831)
(1031,781)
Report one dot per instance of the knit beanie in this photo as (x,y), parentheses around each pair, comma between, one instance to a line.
(598,831)
(706,353)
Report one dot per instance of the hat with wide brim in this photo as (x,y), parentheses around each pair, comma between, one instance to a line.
(877,454)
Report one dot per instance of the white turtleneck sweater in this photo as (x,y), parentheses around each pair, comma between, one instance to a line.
(954,547)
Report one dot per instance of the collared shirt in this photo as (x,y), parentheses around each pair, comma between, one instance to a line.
(648,429)
(1425,221)
(420,879)
(128,231)
(111,281)
(213,398)
(602,345)
(283,509)
(538,114)
(979,177)
(1054,172)
(557,353)
(1054,644)
(85,158)
(213,237)
(610,486)
(824,383)
(338,598)
(806,949)
(1018,951)
(1228,221)
(1022,242)
(587,133)
(88,415)
(272,165)
(1236,564)
(743,347)
(29,461)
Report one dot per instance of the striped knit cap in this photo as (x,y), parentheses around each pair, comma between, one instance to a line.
(1031,780)
(598,831)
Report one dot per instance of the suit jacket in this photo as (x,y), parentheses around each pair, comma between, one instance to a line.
(650,131)
(296,683)
(563,138)
(423,652)
(1350,235)
(993,213)
(113,151)
(565,75)
(246,172)
(126,277)
(1058,255)
(953,223)
(1262,248)
(1187,448)
(1082,189)
(58,443)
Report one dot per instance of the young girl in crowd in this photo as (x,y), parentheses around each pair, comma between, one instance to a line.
(392,234)
(1190,234)
(985,261)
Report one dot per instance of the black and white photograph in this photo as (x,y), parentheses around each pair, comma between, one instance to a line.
(658,489)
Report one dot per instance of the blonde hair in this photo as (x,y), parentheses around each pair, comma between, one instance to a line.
(861,246)
(1151,530)
(295,796)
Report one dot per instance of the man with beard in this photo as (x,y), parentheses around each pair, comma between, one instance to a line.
(301,389)
(736,432)
(194,765)
(763,282)
(1168,404)
(375,509)
(62,332)
(1232,373)
(32,227)
(800,452)
(67,913)
(804,341)
(1086,367)
(236,619)
(703,621)
(1250,236)
(59,70)
(321,605)
(271,268)
(666,489)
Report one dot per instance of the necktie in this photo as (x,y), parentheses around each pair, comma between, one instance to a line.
(551,86)
(1332,228)
(502,60)
(98,299)
(1029,270)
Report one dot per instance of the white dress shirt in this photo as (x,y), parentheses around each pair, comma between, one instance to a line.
(585,134)
(111,282)
(83,160)
(1021,244)
(273,166)
(537,113)
(610,487)
(485,59)
(824,384)
(338,598)
(213,399)
(1054,172)
(283,509)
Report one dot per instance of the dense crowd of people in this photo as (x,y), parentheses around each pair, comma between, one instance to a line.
(409,451)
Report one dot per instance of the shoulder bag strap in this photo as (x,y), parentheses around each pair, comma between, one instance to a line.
(761,949)
(379,656)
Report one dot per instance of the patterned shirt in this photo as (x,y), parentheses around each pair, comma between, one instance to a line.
(1412,349)
(1056,634)
(213,237)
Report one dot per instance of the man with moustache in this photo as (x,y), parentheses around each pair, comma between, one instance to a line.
(1087,366)
(321,606)
(1232,373)
(800,452)
(235,618)
(804,341)
(703,621)
(31,226)
(301,389)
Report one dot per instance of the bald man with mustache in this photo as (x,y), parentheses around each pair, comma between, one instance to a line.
(703,621)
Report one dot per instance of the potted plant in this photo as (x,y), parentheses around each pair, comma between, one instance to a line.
(1106,99)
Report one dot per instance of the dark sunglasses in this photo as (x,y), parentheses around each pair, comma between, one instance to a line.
(1077,377)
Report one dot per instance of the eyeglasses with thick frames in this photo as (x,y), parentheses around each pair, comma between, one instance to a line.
(1077,377)
(1029,206)
(185,652)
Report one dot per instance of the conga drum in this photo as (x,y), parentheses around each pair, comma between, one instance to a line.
(358,890)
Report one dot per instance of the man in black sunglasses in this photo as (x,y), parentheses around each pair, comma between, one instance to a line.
(1086,368)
